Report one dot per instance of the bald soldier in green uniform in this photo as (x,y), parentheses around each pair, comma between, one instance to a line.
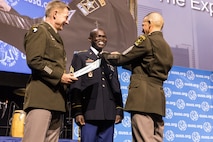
(150,60)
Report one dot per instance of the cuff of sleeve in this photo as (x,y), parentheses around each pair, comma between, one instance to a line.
(119,111)
(76,110)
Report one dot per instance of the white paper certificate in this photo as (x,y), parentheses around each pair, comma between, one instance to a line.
(88,68)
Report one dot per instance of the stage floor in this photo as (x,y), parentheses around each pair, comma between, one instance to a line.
(12,139)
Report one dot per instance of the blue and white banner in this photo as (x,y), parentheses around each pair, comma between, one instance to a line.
(189,107)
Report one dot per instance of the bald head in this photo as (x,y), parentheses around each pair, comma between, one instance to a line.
(156,20)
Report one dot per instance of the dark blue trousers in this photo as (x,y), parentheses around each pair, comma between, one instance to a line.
(97,131)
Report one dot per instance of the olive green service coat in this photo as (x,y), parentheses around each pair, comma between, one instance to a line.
(46,58)
(150,59)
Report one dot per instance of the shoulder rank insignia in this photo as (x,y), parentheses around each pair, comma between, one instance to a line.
(140,39)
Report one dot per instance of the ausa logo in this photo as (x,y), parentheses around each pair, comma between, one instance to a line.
(194,116)
(89,6)
(196,137)
(12,2)
(182,125)
(169,113)
(8,54)
(169,135)
(125,77)
(126,122)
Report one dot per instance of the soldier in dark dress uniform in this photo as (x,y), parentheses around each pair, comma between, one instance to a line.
(150,59)
(96,97)
(45,92)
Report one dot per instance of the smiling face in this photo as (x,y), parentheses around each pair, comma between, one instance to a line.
(61,18)
(56,14)
(98,39)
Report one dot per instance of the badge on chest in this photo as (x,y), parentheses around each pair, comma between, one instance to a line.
(88,62)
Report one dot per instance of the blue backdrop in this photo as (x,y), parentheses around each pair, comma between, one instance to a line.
(189,111)
(189,106)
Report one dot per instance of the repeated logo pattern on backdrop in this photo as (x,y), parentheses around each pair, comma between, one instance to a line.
(189,116)
(189,107)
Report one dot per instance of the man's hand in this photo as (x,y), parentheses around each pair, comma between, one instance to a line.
(4,6)
(115,53)
(68,78)
(118,119)
(79,120)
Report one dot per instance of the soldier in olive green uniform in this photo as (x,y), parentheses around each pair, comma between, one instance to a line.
(150,59)
(45,92)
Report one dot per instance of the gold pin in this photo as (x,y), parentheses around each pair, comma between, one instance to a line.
(90,74)
(71,69)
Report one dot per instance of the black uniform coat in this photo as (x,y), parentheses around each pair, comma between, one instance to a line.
(97,94)
(151,59)
(46,58)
